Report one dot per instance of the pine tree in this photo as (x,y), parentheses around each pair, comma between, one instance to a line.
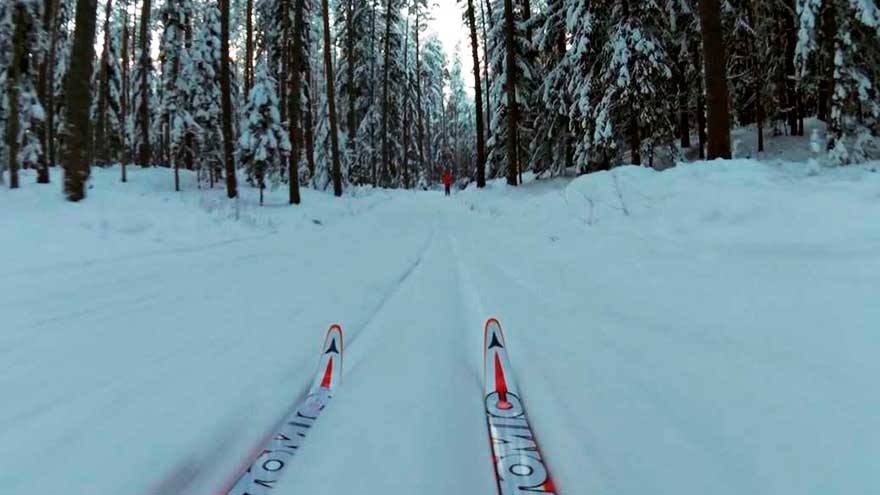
(141,116)
(392,81)
(76,165)
(263,144)
(331,101)
(478,96)
(107,104)
(714,70)
(206,100)
(510,94)
(178,73)
(551,148)
(24,110)
(226,99)
(851,35)
(625,104)
(434,75)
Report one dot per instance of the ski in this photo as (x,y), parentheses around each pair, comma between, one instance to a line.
(519,467)
(278,451)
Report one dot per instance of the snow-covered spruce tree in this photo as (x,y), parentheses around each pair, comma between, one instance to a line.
(25,112)
(434,74)
(269,38)
(551,148)
(392,91)
(177,72)
(365,168)
(58,66)
(5,37)
(107,104)
(206,100)
(353,76)
(458,126)
(631,85)
(421,13)
(852,36)
(471,16)
(510,94)
(140,119)
(263,143)
(756,56)
(681,33)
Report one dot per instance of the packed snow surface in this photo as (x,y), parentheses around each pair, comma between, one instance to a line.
(712,328)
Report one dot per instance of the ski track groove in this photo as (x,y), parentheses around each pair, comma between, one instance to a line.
(138,256)
(395,289)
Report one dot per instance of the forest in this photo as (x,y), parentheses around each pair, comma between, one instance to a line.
(329,94)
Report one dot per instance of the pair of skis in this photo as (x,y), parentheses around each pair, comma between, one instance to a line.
(519,467)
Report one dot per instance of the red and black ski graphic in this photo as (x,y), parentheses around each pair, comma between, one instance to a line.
(519,467)
(268,467)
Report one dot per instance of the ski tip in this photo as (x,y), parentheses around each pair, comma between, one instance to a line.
(493,336)
(495,326)
(334,338)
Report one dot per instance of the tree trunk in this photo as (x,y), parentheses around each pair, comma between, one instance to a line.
(285,59)
(100,146)
(189,158)
(351,122)
(125,84)
(76,165)
(226,97)
(488,82)
(173,152)
(420,125)
(372,160)
(405,158)
(478,97)
(331,101)
(839,95)
(758,75)
(684,126)
(249,50)
(42,83)
(308,123)
(16,64)
(510,89)
(635,139)
(144,114)
(294,101)
(714,62)
(789,20)
(386,98)
(50,93)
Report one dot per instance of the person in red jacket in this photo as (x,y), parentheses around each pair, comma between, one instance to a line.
(447,180)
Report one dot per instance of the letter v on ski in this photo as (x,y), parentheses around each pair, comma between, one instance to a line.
(519,467)
(279,449)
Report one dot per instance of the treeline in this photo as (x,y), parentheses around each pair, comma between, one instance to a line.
(332,93)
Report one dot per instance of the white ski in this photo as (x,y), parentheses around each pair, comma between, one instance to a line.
(519,467)
(268,467)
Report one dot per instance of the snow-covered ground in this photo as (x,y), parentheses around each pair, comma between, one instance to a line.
(712,328)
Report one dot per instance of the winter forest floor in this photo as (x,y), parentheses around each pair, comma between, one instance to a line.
(712,328)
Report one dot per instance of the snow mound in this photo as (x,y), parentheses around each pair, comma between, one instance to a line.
(734,201)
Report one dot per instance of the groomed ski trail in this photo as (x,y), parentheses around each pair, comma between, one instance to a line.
(412,398)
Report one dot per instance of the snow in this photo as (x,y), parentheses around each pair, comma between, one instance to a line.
(706,329)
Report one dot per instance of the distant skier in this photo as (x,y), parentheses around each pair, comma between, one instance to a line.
(447,180)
